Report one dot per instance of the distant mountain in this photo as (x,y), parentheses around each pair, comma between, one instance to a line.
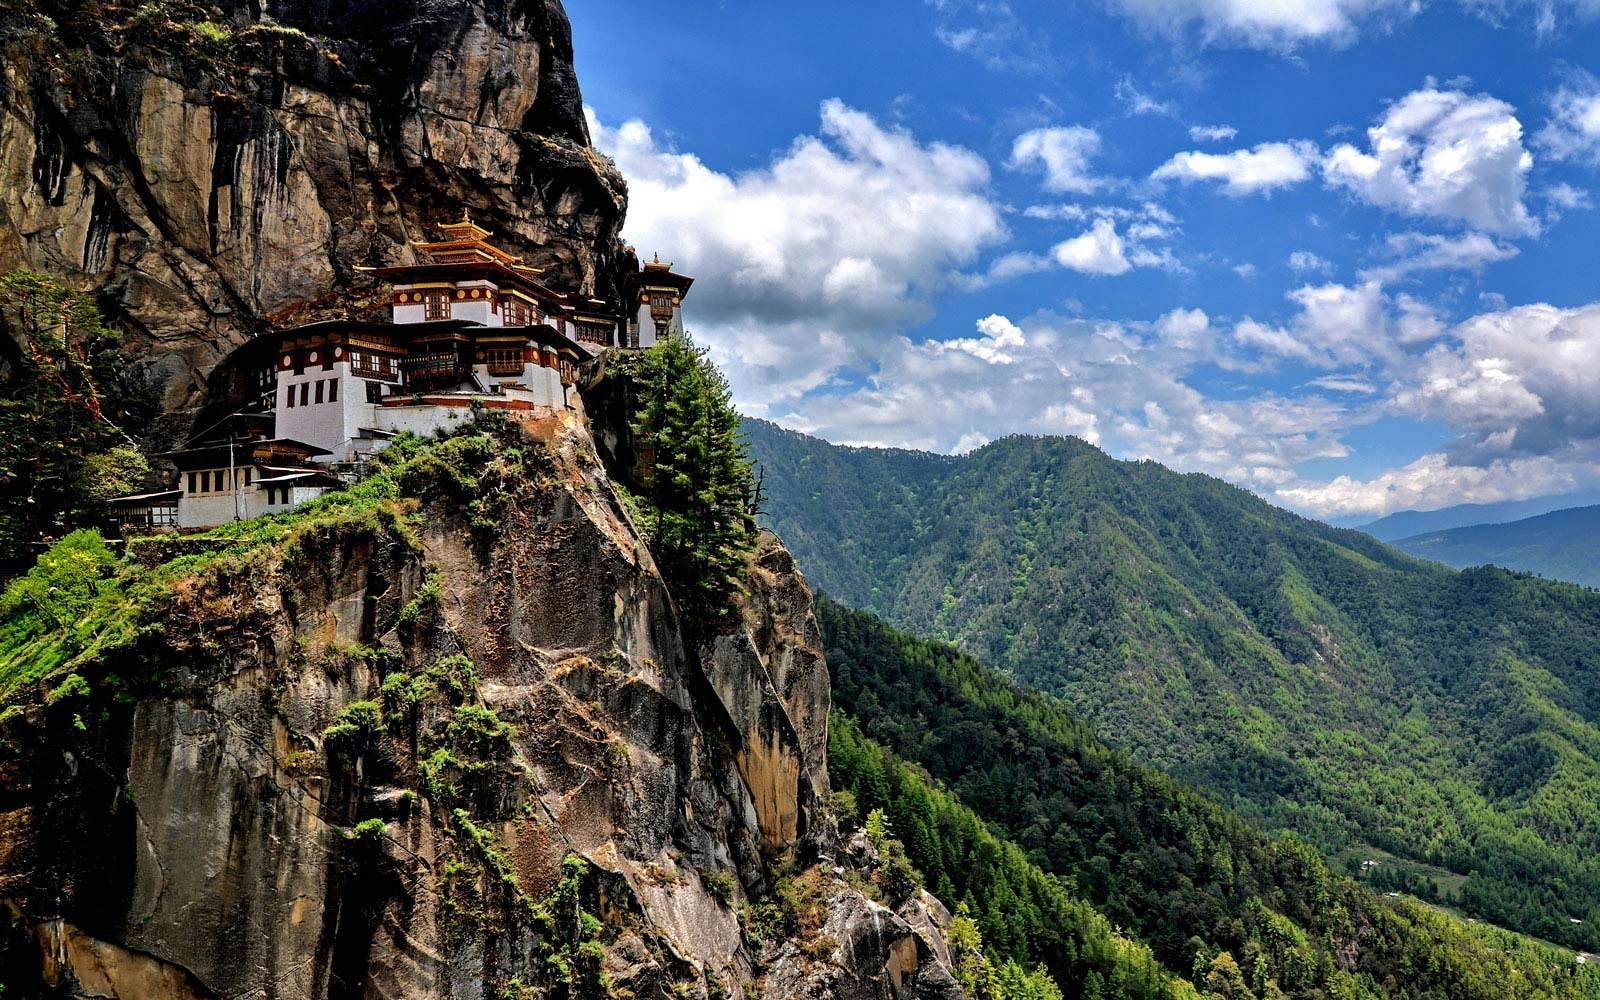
(1563,545)
(1314,678)
(1406,523)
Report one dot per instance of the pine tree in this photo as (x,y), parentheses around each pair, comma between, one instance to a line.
(700,486)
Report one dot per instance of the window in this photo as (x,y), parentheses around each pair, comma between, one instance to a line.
(435,305)
(305,393)
(319,391)
(333,390)
(369,365)
(290,397)
(327,358)
(518,313)
(247,470)
(194,482)
(503,360)
(205,482)
(374,392)
(272,496)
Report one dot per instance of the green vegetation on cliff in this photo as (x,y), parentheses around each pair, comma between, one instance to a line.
(1245,914)
(62,454)
(696,494)
(1315,679)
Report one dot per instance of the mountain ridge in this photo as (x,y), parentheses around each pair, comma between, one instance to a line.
(1561,545)
(1315,678)
(1405,523)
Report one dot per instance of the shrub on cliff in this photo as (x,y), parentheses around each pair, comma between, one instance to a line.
(61,457)
(698,496)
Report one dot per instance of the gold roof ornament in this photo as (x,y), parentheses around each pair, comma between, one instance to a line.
(466,242)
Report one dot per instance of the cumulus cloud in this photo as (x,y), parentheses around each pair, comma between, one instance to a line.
(1573,130)
(1338,325)
(1565,196)
(1262,170)
(1412,252)
(990,32)
(1119,385)
(1429,482)
(1138,102)
(1306,262)
(1063,154)
(1212,133)
(1344,383)
(1443,154)
(1283,25)
(804,262)
(1099,251)
(1521,382)
(998,335)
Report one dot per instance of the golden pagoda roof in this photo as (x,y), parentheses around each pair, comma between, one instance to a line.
(466,242)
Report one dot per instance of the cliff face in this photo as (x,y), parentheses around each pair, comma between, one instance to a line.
(442,737)
(211,169)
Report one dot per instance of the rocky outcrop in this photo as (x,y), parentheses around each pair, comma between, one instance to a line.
(211,170)
(445,738)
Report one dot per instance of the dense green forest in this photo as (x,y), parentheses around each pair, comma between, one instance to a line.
(1562,545)
(1315,679)
(1242,913)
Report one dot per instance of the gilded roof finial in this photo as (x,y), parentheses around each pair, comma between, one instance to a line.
(655,258)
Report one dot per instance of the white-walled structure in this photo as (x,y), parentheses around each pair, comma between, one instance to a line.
(659,311)
(473,328)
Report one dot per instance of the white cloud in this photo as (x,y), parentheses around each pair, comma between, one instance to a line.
(1282,25)
(1063,153)
(990,32)
(1573,130)
(1247,271)
(1431,481)
(1443,154)
(1212,133)
(1187,330)
(1344,383)
(999,335)
(1262,170)
(1567,197)
(1306,262)
(1010,266)
(1339,325)
(1411,252)
(1521,381)
(1138,102)
(1098,251)
(1118,385)
(805,262)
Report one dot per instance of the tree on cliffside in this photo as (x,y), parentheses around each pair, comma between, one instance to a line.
(61,458)
(699,488)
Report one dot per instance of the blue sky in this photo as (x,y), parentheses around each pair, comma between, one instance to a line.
(1337,251)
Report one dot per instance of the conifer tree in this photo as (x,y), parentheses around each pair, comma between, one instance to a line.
(699,488)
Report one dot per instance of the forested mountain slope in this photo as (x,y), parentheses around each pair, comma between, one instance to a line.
(1313,677)
(1562,545)
(1250,915)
